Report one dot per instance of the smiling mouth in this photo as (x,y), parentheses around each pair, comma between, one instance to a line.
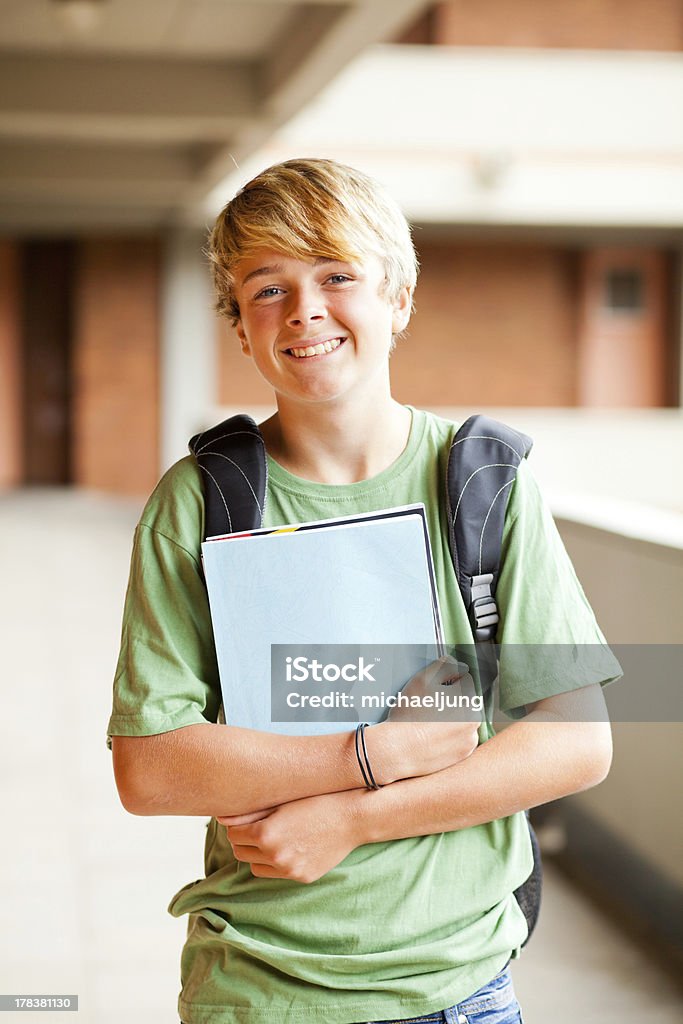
(321,349)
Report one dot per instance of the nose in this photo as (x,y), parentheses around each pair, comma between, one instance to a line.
(306,306)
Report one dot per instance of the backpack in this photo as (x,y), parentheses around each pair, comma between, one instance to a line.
(482,466)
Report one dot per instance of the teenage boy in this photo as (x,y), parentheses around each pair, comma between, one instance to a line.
(323,900)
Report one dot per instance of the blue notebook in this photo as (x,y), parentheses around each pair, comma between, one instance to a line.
(365,582)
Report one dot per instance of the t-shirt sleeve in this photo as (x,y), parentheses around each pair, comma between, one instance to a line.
(550,640)
(166,676)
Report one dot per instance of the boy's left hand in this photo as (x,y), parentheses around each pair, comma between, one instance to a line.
(301,840)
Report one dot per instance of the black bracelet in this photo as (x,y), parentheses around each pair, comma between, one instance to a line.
(364,761)
(359,758)
(373,783)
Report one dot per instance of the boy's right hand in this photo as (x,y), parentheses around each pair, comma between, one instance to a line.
(412,741)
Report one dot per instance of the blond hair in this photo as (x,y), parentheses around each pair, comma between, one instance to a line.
(307,209)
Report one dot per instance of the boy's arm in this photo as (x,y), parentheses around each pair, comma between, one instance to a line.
(214,769)
(563,746)
(210,769)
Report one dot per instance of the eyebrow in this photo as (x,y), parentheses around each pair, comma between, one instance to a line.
(277,268)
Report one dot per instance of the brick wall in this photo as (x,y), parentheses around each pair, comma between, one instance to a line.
(238,382)
(495,325)
(116,372)
(581,24)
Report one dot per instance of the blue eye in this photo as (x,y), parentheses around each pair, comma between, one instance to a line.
(339,278)
(267,293)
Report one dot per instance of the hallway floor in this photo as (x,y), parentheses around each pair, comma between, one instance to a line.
(84,904)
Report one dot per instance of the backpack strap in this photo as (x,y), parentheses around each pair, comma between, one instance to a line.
(232,458)
(482,466)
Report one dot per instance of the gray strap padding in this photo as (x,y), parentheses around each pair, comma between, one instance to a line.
(482,466)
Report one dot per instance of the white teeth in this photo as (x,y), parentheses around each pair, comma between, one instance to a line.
(316,350)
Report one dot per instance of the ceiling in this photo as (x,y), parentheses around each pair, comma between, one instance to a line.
(124,114)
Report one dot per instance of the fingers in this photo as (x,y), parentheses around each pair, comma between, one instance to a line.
(243,834)
(269,863)
(452,673)
(266,871)
(262,865)
(445,671)
(250,854)
(444,685)
(244,819)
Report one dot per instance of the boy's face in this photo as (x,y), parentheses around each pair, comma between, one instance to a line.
(317,330)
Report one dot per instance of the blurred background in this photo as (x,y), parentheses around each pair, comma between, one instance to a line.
(538,150)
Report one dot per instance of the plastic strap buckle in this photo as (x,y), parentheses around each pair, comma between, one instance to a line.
(483,607)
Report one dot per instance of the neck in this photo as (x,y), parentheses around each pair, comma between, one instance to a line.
(334,445)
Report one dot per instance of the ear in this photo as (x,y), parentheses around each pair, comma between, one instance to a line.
(246,348)
(402,308)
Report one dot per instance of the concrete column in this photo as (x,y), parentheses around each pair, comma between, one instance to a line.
(188,364)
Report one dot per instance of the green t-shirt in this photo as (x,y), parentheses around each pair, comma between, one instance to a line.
(399,928)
